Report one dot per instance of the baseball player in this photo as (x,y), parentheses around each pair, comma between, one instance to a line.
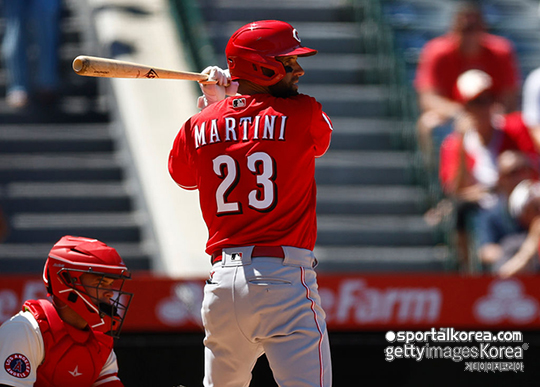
(252,158)
(69,341)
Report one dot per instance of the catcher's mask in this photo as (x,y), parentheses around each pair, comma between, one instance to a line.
(102,303)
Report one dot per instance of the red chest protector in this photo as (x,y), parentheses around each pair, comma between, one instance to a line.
(72,357)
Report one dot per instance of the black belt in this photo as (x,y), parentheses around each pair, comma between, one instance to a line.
(258,251)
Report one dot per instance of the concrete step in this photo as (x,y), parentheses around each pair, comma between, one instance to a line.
(291,11)
(69,109)
(30,257)
(381,259)
(348,68)
(329,38)
(60,167)
(365,167)
(370,200)
(65,197)
(367,101)
(366,133)
(375,230)
(42,138)
(47,227)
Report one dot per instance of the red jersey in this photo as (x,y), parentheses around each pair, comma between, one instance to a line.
(252,158)
(441,63)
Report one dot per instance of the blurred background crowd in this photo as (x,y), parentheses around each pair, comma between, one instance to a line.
(478,126)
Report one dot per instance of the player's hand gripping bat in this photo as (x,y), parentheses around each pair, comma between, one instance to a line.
(91,66)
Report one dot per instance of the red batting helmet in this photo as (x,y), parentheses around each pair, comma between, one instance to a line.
(251,51)
(68,260)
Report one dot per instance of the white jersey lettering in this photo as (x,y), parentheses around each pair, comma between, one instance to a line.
(256,131)
(214,132)
(230,125)
(240,129)
(269,125)
(200,136)
(245,121)
(282,130)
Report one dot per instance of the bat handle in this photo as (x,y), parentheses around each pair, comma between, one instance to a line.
(209,82)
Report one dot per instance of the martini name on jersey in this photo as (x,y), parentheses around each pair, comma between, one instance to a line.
(265,127)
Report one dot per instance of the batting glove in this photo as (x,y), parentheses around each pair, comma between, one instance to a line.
(217,87)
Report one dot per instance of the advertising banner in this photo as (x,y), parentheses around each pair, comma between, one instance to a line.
(352,302)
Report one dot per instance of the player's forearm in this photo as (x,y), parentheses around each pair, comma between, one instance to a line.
(529,248)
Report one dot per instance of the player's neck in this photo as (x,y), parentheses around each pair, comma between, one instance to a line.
(470,46)
(69,316)
(250,88)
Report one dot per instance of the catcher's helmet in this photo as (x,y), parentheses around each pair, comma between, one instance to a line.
(251,51)
(68,260)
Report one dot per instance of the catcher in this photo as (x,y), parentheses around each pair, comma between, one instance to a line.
(69,341)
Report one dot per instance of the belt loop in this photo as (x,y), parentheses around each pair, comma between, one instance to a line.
(295,256)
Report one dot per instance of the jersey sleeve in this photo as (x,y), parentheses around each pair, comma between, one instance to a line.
(109,374)
(21,350)
(425,72)
(321,130)
(179,166)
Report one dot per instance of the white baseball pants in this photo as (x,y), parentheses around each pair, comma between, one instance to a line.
(265,305)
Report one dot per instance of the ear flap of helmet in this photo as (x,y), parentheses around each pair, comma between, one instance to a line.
(47,279)
(255,68)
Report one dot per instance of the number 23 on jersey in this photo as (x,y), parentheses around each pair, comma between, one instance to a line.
(262,198)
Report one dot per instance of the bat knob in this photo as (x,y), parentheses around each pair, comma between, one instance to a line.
(78,64)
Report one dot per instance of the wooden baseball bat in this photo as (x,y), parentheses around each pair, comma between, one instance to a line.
(91,66)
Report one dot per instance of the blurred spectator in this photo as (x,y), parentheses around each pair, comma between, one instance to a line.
(524,205)
(468,158)
(531,105)
(31,24)
(495,229)
(466,46)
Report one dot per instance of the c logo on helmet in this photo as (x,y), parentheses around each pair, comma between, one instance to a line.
(295,35)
